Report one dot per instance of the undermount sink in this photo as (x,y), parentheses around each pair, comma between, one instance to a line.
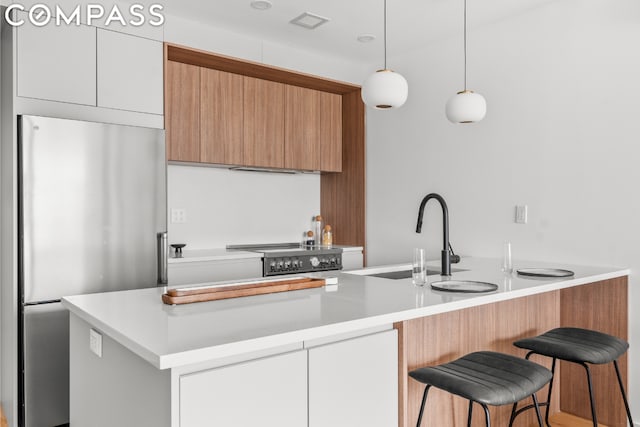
(464,286)
(406,274)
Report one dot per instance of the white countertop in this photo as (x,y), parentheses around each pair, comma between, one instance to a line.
(223,254)
(172,336)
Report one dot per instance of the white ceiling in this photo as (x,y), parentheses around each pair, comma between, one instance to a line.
(411,23)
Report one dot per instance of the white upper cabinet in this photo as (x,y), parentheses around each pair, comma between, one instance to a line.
(129,72)
(57,63)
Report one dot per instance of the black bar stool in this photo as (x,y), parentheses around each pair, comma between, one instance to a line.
(487,378)
(581,346)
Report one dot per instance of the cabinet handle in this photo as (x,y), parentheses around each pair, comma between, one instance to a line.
(163,256)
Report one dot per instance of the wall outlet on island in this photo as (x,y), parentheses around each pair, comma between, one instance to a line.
(521,214)
(178,216)
(95,342)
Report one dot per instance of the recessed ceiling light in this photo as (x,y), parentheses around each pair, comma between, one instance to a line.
(309,20)
(366,38)
(261,4)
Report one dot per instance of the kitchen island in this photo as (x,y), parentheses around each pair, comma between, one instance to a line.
(316,356)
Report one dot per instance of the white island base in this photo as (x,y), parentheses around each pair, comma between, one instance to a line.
(314,383)
(329,357)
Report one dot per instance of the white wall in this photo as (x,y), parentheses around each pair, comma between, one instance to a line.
(236,207)
(561,135)
(230,207)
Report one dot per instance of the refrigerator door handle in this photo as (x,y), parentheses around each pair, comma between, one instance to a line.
(163,257)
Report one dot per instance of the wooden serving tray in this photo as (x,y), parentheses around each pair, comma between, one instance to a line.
(235,290)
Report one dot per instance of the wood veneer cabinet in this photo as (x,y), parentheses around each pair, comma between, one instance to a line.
(341,131)
(330,132)
(302,128)
(313,130)
(182,91)
(221,117)
(263,123)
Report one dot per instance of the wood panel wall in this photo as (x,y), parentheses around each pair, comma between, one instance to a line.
(601,306)
(439,339)
(342,195)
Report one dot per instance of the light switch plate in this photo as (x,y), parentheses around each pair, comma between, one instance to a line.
(95,342)
(521,214)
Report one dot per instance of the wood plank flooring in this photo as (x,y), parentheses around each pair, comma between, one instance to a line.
(3,420)
(561,419)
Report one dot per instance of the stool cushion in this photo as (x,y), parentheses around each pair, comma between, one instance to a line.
(486,377)
(576,345)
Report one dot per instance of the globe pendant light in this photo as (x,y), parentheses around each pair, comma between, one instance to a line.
(466,106)
(385,88)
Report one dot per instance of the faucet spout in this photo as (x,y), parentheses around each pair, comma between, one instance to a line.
(445,257)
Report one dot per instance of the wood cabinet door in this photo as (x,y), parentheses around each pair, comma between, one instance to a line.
(263,123)
(302,128)
(330,132)
(182,112)
(221,117)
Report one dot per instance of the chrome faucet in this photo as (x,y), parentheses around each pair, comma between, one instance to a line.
(445,259)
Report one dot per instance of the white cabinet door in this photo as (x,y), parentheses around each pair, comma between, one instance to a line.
(57,63)
(129,72)
(264,392)
(355,382)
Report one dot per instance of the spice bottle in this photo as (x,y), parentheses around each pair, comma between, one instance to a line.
(327,236)
(310,240)
(317,229)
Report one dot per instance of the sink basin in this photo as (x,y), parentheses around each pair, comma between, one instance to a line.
(406,274)
(464,286)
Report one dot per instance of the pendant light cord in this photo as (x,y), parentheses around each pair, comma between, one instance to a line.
(385,34)
(465,44)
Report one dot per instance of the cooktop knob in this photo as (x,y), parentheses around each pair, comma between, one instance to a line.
(314,261)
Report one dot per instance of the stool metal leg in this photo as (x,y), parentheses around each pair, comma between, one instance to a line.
(548,402)
(486,415)
(424,400)
(624,395)
(470,413)
(512,418)
(591,397)
(535,404)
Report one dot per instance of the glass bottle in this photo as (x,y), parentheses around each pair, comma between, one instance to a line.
(317,232)
(310,240)
(327,236)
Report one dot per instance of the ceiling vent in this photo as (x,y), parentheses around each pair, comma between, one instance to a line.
(308,20)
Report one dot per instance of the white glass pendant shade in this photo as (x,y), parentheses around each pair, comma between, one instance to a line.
(385,89)
(466,107)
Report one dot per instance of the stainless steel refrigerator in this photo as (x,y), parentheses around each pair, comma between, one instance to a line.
(92,219)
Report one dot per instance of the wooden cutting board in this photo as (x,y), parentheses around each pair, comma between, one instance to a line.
(234,290)
(3,420)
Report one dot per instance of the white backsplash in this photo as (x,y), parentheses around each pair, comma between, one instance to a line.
(237,207)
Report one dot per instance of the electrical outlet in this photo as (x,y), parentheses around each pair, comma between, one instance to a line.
(521,214)
(178,216)
(95,342)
